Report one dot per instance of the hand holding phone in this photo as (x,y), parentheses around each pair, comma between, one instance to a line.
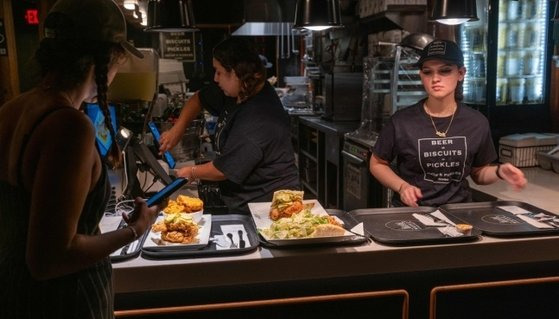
(156,137)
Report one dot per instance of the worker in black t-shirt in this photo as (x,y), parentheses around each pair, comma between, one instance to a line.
(438,142)
(254,154)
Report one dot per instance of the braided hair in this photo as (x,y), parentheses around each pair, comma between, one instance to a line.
(102,64)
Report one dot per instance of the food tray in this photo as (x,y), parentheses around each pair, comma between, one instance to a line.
(496,222)
(348,223)
(132,250)
(397,226)
(211,249)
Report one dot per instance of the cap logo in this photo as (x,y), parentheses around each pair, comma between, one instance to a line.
(437,48)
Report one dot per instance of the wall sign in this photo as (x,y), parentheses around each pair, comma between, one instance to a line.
(178,46)
(3,42)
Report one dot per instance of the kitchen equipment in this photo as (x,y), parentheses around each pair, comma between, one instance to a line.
(361,189)
(342,93)
(136,79)
(510,57)
(389,84)
(296,96)
(416,41)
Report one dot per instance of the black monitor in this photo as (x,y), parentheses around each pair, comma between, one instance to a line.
(138,157)
(103,137)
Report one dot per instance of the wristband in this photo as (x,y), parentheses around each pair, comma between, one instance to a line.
(134,232)
(497,171)
(192,177)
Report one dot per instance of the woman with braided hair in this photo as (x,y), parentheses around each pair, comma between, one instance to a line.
(54,185)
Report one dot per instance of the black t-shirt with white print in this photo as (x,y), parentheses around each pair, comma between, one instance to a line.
(437,165)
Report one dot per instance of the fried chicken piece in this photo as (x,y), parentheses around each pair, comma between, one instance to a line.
(274,214)
(159,227)
(190,204)
(296,207)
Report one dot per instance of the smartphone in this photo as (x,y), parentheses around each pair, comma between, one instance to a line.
(156,136)
(166,191)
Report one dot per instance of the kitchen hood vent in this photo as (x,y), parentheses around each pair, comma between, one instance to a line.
(267,17)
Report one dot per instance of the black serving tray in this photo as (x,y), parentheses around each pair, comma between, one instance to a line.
(210,249)
(397,226)
(127,252)
(320,241)
(496,222)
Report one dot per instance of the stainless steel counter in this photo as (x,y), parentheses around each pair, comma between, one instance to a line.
(542,190)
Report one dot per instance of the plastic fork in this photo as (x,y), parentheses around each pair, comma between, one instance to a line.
(233,245)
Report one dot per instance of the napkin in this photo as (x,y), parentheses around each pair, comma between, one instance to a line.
(359,229)
(427,221)
(523,214)
(450,231)
(442,216)
(223,242)
(515,210)
(533,222)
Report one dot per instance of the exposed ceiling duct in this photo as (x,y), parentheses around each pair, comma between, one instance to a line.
(267,17)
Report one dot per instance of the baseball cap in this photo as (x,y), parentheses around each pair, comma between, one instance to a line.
(442,50)
(95,20)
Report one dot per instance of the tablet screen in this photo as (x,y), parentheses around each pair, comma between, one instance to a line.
(102,133)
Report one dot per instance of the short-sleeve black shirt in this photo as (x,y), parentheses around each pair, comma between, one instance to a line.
(438,166)
(254,149)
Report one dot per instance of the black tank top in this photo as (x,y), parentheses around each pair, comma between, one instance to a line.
(85,294)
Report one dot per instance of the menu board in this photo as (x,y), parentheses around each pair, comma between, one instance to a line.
(178,46)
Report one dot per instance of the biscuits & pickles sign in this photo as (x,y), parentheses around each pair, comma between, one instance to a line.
(178,46)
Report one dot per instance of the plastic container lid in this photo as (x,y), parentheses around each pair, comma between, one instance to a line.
(529,139)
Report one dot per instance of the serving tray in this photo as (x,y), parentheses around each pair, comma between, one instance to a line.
(398,226)
(348,239)
(493,218)
(212,248)
(131,250)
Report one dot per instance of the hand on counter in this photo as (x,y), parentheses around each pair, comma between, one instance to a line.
(512,175)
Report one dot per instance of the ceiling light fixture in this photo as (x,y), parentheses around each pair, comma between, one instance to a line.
(317,15)
(453,12)
(170,16)
(130,4)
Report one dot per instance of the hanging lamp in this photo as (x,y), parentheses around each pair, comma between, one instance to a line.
(170,16)
(317,15)
(454,12)
(130,4)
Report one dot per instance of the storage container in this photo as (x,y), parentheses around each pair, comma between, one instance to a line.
(521,149)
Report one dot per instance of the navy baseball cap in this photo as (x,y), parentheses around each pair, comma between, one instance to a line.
(444,50)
